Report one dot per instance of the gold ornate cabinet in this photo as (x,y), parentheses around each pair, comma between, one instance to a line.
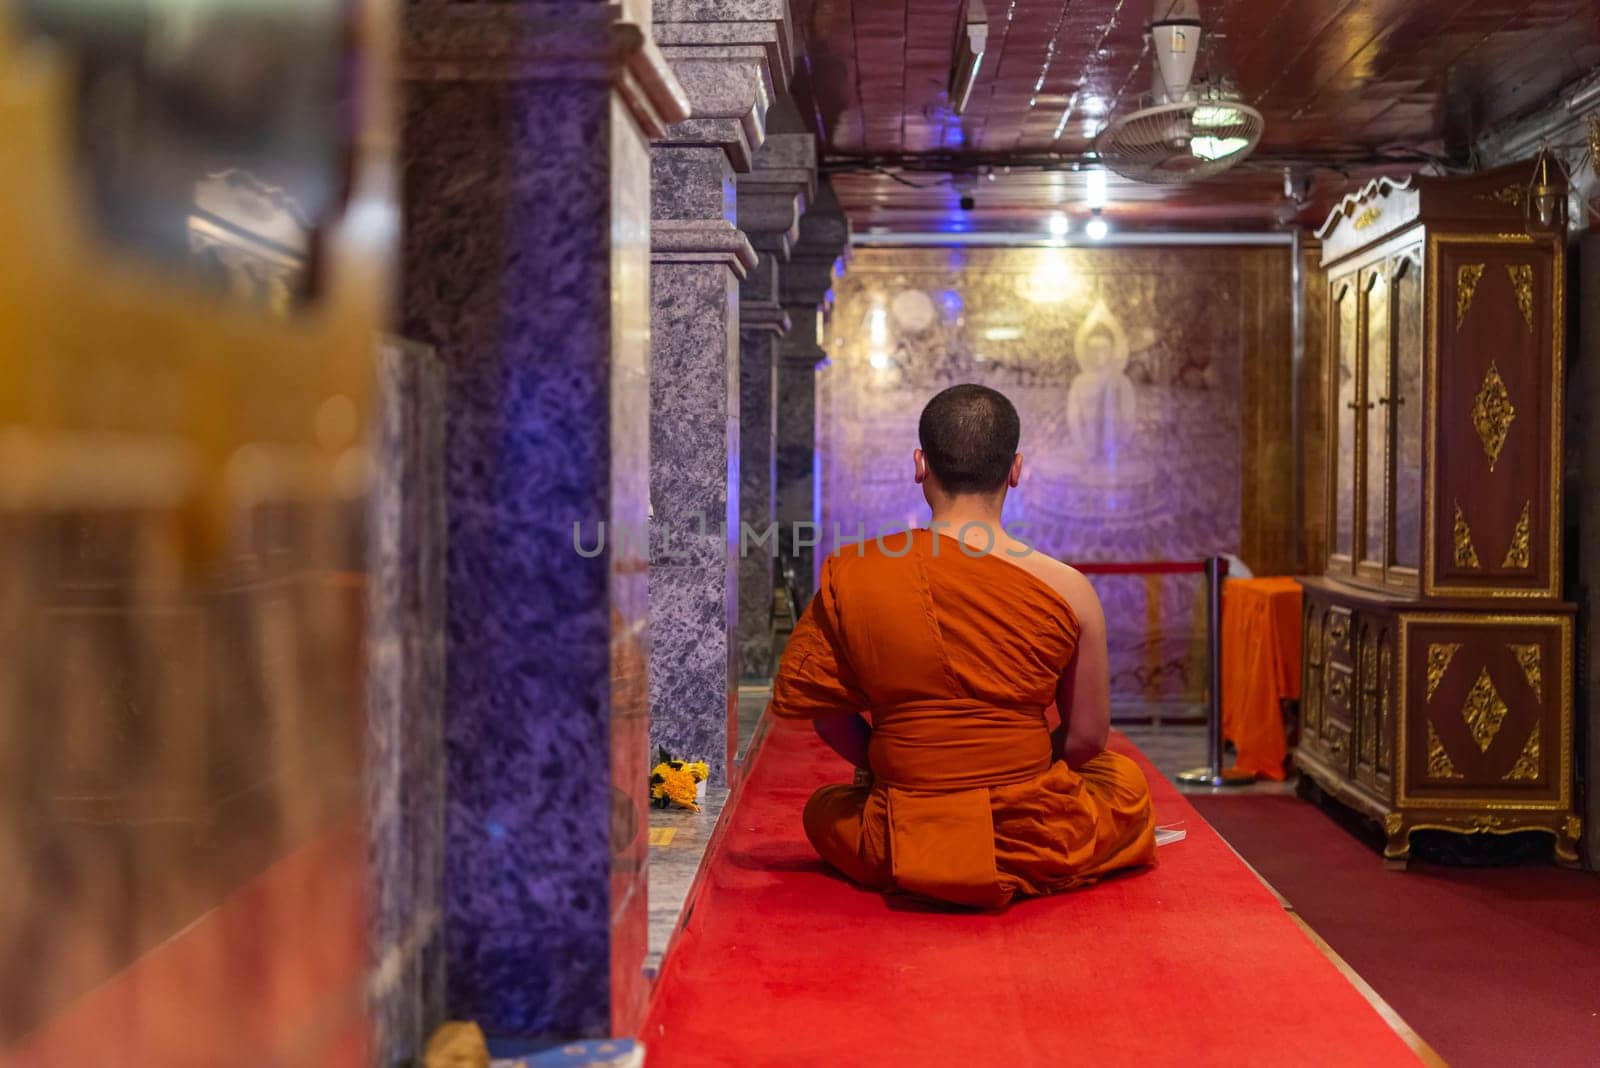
(1437,651)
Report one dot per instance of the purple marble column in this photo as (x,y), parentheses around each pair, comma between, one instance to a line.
(729,55)
(807,291)
(526,267)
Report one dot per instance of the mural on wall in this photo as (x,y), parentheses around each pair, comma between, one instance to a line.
(1126,367)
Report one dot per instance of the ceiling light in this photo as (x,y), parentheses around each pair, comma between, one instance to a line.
(1213,148)
(964,65)
(878,360)
(1059,224)
(1002,333)
(1097,229)
(1092,105)
(1209,116)
(1095,192)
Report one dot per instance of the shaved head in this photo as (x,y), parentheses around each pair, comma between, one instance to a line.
(969,436)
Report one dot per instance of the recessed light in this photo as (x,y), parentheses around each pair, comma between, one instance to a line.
(1097,229)
(1060,224)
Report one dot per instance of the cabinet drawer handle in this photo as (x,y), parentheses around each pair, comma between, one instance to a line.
(1396,401)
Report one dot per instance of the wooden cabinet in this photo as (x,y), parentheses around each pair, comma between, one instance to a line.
(1437,650)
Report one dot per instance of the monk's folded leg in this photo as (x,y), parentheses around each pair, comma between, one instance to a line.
(834,823)
(1126,835)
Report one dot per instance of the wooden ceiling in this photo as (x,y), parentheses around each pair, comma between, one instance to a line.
(1349,88)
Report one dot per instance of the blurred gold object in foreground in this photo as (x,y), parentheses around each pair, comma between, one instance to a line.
(183,472)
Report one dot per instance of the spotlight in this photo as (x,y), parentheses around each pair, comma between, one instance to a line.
(878,326)
(1059,224)
(1097,229)
(1095,193)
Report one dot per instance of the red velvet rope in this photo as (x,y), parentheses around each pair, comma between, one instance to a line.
(1152,567)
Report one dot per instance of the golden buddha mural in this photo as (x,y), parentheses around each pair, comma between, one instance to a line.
(1129,387)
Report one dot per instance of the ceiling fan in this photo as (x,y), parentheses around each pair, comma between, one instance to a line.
(1183,131)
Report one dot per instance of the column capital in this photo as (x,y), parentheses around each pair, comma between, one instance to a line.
(727,103)
(540,42)
(734,58)
(701,241)
(690,27)
(799,347)
(760,298)
(824,228)
(762,317)
(777,191)
(816,259)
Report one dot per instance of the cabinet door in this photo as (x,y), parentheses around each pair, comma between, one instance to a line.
(1344,348)
(1374,744)
(1373,475)
(1405,414)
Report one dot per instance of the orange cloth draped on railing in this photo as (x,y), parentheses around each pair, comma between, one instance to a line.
(1260,668)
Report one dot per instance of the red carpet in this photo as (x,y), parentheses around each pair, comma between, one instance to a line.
(1491,966)
(1193,963)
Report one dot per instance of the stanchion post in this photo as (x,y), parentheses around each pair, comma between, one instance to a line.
(1212,774)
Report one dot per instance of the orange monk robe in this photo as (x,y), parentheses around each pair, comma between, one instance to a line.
(955,658)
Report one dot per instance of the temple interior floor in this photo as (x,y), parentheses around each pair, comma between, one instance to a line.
(679,838)
(678,841)
(1381,923)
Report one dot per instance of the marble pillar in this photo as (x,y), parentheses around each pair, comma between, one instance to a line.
(526,266)
(807,293)
(762,322)
(405,702)
(730,56)
(772,198)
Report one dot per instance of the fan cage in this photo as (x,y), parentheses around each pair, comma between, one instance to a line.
(1188,141)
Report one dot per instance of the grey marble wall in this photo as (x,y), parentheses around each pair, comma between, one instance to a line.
(526,267)
(405,705)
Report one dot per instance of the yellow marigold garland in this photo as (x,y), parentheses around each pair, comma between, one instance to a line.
(674,782)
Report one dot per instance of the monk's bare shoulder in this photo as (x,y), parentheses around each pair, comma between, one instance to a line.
(1066,580)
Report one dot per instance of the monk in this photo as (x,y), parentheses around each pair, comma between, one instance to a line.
(929,658)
